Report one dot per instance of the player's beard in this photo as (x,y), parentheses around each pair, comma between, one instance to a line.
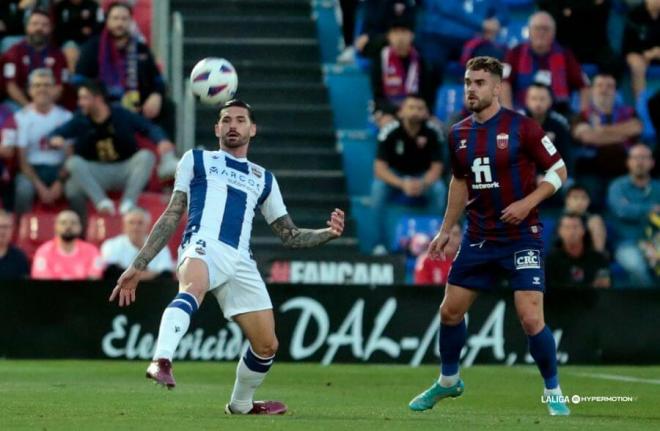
(479,106)
(235,142)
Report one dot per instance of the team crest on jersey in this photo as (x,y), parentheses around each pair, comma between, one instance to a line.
(256,172)
(421,141)
(502,141)
(462,145)
(527,259)
(213,170)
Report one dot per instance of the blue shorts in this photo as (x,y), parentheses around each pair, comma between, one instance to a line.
(478,265)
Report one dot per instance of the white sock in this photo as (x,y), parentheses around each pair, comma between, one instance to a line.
(173,326)
(247,382)
(448,381)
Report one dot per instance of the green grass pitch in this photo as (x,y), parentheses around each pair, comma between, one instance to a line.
(105,395)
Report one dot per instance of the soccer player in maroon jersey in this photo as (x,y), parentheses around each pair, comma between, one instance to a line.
(495,153)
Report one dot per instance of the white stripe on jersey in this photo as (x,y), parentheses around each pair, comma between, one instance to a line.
(223,195)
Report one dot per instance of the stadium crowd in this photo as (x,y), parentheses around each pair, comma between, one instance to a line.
(585,89)
(85,122)
(84,125)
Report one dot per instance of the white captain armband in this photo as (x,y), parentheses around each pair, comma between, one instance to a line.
(552,177)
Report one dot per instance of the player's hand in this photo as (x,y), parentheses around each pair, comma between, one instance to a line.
(336,222)
(438,244)
(57,142)
(126,286)
(516,212)
(151,107)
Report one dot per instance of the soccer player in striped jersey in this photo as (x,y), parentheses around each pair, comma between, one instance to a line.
(222,191)
(495,153)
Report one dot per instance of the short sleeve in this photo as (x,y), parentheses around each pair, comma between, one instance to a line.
(184,173)
(272,206)
(10,65)
(538,146)
(385,141)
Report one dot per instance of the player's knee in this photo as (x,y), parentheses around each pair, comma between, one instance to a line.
(198,290)
(450,315)
(266,349)
(532,323)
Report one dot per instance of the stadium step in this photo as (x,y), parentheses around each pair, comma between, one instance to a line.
(279,115)
(284,92)
(277,158)
(255,72)
(250,26)
(290,49)
(319,181)
(273,137)
(274,8)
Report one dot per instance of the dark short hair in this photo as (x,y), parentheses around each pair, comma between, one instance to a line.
(39,11)
(96,87)
(489,64)
(415,96)
(546,87)
(576,188)
(238,103)
(116,4)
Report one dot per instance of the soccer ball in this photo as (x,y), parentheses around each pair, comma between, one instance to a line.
(213,81)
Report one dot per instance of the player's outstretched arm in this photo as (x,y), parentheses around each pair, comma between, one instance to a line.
(158,238)
(456,201)
(295,237)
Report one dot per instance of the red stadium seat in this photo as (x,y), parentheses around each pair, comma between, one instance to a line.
(33,230)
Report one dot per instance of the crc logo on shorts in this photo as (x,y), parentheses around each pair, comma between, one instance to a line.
(527,259)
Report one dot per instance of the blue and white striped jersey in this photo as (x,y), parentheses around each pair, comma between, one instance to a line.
(224,193)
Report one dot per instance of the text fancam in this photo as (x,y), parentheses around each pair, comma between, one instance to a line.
(577,399)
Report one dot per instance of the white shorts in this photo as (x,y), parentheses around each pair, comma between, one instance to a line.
(233,277)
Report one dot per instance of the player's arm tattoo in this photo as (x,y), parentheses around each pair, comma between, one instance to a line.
(294,237)
(162,230)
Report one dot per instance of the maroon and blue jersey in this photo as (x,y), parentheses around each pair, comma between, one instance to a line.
(499,159)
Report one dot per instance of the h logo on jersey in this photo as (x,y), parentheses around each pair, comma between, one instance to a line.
(527,259)
(483,177)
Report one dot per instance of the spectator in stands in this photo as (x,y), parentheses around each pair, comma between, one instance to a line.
(538,105)
(34,52)
(641,41)
(378,17)
(127,68)
(592,46)
(11,18)
(106,155)
(348,14)
(577,202)
(40,166)
(632,200)
(573,262)
(543,60)
(118,252)
(66,257)
(605,131)
(408,165)
(397,72)
(446,26)
(75,22)
(435,271)
(13,262)
(7,156)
